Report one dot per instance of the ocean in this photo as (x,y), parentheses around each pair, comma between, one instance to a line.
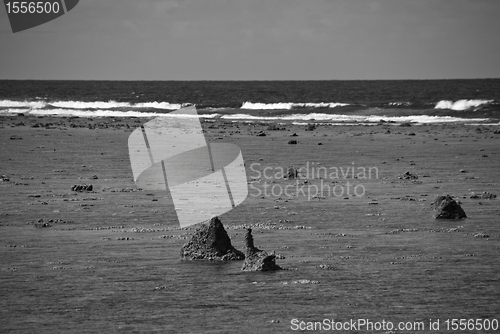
(337,101)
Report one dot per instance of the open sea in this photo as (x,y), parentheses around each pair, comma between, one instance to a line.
(337,102)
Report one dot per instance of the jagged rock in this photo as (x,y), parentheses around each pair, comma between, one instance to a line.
(261,134)
(256,259)
(211,242)
(448,208)
(4,178)
(292,142)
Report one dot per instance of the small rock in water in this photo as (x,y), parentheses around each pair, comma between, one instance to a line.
(408,176)
(291,173)
(256,259)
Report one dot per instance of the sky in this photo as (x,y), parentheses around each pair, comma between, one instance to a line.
(258,40)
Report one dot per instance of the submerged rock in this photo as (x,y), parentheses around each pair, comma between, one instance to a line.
(256,259)
(211,242)
(448,208)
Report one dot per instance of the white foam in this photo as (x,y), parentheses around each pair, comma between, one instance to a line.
(111,113)
(159,105)
(266,106)
(114,105)
(460,104)
(289,105)
(356,118)
(14,111)
(21,104)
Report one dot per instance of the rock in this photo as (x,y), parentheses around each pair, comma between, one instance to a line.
(408,176)
(294,135)
(275,127)
(82,187)
(483,195)
(292,142)
(41,224)
(406,124)
(4,178)
(448,208)
(291,173)
(310,127)
(256,259)
(261,134)
(211,242)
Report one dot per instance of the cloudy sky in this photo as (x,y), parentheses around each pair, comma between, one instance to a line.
(258,40)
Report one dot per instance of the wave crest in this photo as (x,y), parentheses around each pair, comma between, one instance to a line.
(460,104)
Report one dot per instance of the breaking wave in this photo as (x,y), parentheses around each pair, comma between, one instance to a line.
(289,105)
(356,118)
(89,105)
(21,104)
(460,104)
(109,113)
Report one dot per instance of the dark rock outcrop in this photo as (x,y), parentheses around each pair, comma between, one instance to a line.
(211,242)
(448,208)
(256,259)
(292,142)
